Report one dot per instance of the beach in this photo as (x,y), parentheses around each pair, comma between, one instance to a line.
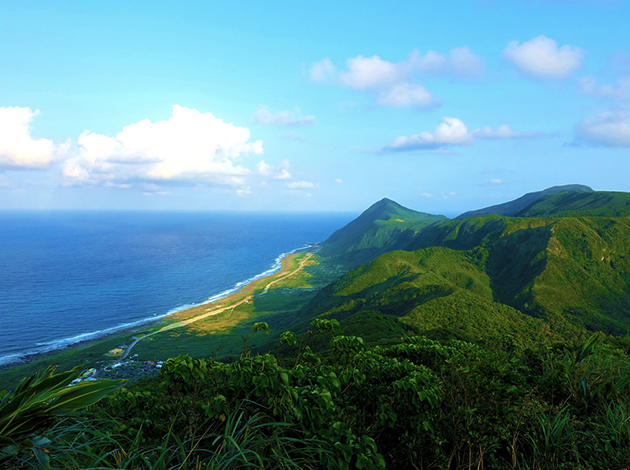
(292,264)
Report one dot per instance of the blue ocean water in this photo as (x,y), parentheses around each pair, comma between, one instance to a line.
(71,276)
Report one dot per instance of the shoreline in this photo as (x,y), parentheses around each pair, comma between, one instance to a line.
(175,316)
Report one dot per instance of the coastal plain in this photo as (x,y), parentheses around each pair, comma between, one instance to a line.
(210,329)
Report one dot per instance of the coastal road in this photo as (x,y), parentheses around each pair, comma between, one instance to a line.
(215,311)
(299,268)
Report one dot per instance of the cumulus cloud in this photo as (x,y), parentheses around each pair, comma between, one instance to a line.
(18,149)
(503,131)
(453,132)
(188,147)
(322,71)
(610,129)
(300,185)
(541,57)
(620,90)
(277,173)
(282,175)
(393,84)
(368,73)
(458,62)
(406,95)
(387,81)
(281,118)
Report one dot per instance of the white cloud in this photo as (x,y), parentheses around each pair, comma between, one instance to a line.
(281,118)
(263,168)
(368,73)
(621,90)
(300,185)
(322,71)
(18,149)
(459,62)
(282,175)
(453,131)
(610,129)
(464,63)
(492,182)
(503,131)
(188,147)
(392,84)
(405,95)
(387,81)
(279,173)
(541,57)
(338,181)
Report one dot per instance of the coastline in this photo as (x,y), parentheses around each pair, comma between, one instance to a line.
(176,315)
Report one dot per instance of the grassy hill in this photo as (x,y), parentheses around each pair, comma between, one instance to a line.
(383,227)
(575,204)
(512,208)
(442,292)
(563,269)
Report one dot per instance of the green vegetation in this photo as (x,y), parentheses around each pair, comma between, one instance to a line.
(512,208)
(416,403)
(408,341)
(383,227)
(577,204)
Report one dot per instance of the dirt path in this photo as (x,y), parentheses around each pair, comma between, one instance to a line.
(216,311)
(299,268)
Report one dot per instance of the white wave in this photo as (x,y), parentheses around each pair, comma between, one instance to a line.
(65,342)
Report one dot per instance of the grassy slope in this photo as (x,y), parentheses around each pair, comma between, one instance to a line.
(559,268)
(383,227)
(575,204)
(442,292)
(512,208)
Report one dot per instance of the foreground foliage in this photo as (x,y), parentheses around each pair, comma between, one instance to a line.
(419,403)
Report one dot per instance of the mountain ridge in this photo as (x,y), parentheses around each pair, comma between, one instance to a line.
(512,208)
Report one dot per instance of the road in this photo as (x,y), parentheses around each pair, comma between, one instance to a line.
(216,311)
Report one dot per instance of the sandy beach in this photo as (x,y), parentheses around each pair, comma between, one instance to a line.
(191,315)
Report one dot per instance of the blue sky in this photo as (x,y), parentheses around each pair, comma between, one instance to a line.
(298,106)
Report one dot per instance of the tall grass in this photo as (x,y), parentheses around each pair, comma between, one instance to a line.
(80,442)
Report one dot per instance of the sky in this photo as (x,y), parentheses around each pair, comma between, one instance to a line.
(310,106)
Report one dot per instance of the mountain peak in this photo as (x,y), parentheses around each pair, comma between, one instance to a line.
(376,231)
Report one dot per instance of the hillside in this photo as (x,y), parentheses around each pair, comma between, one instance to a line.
(468,348)
(512,208)
(562,269)
(383,227)
(564,259)
(443,292)
(576,204)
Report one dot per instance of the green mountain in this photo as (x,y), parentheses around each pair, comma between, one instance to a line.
(564,269)
(444,293)
(512,208)
(565,262)
(383,227)
(576,204)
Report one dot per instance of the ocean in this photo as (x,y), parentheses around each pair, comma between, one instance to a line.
(70,276)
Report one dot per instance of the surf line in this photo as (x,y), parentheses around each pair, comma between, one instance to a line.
(216,311)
